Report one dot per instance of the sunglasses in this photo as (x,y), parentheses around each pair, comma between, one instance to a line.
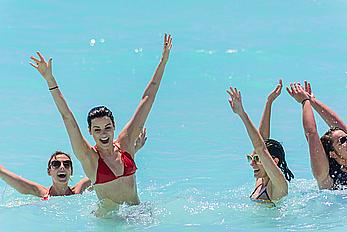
(255,158)
(56,163)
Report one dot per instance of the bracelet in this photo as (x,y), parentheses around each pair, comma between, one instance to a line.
(303,101)
(52,88)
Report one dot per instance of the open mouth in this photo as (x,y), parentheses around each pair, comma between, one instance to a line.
(256,171)
(62,175)
(104,140)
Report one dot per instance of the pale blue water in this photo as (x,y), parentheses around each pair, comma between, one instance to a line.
(192,173)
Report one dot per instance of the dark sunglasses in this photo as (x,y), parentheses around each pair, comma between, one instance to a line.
(56,163)
(254,157)
(343,139)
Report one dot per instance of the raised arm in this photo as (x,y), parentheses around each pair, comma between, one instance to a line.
(278,181)
(319,161)
(264,127)
(80,146)
(131,131)
(328,115)
(21,184)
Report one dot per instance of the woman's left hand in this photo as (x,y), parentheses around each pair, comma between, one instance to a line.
(167,47)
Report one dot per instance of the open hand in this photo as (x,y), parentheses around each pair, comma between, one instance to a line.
(44,68)
(167,47)
(297,92)
(235,100)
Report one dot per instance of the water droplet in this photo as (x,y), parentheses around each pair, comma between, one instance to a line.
(92,42)
(102,40)
(230,51)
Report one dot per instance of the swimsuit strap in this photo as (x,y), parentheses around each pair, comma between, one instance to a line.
(255,190)
(265,190)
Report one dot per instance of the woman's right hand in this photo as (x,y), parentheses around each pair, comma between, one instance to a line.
(297,92)
(235,101)
(44,68)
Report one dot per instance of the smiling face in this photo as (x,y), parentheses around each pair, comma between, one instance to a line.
(102,130)
(339,145)
(60,168)
(258,168)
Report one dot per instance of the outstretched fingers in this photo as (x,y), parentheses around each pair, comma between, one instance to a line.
(42,59)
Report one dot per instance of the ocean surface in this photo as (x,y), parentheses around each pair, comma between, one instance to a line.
(192,172)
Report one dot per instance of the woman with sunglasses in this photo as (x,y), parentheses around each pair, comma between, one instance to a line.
(60,169)
(110,163)
(268,159)
(328,154)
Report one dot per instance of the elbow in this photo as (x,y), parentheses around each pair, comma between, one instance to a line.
(311,132)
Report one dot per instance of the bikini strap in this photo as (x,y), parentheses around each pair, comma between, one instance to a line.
(255,190)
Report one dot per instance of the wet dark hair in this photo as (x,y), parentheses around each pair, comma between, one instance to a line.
(99,112)
(54,155)
(328,141)
(276,151)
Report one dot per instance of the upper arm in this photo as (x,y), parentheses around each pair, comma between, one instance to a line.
(82,185)
(133,128)
(279,182)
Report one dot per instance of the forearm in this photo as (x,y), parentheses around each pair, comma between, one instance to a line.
(153,86)
(252,131)
(264,127)
(328,115)
(58,98)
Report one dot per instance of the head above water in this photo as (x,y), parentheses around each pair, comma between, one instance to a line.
(54,156)
(329,139)
(99,112)
(276,151)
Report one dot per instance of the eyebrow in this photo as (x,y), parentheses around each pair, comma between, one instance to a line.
(108,124)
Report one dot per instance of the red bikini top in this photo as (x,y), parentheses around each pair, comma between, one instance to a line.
(104,174)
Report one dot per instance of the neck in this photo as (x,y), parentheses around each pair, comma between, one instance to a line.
(106,151)
(59,189)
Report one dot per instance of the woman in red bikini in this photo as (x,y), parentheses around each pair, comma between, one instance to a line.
(110,163)
(268,158)
(59,168)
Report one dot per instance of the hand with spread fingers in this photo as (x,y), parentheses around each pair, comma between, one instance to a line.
(276,92)
(167,47)
(235,101)
(44,68)
(297,92)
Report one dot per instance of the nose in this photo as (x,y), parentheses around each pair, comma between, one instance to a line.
(252,163)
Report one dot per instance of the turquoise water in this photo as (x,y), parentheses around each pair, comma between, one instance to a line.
(192,175)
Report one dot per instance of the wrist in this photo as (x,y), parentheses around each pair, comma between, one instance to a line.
(305,100)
